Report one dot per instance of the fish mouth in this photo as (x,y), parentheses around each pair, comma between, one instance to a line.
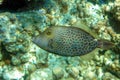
(33,39)
(40,41)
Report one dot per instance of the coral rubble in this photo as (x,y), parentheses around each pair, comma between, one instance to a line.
(20,59)
(117,9)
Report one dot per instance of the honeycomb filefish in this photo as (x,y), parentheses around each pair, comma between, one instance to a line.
(69,41)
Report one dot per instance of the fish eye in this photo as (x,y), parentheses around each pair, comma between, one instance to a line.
(48,32)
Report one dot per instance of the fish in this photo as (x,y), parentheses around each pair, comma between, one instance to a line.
(69,41)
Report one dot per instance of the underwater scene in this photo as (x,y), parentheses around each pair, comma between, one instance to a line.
(59,39)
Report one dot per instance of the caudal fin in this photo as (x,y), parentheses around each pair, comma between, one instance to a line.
(105,44)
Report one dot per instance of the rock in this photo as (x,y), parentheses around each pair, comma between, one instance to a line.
(74,72)
(41,74)
(109,76)
(69,79)
(117,9)
(14,39)
(58,73)
(91,76)
(27,57)
(31,67)
(13,75)
(15,60)
(114,68)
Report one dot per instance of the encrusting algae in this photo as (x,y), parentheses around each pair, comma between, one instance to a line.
(69,41)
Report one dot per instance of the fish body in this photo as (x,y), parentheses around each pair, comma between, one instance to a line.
(67,41)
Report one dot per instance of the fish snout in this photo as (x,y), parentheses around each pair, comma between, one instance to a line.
(40,41)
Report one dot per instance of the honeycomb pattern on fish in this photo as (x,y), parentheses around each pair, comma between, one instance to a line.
(69,41)
(73,41)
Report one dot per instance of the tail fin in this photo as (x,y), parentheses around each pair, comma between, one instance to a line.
(105,44)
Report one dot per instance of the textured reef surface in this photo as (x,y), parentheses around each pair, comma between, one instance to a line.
(21,59)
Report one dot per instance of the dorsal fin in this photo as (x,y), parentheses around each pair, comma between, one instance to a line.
(80,24)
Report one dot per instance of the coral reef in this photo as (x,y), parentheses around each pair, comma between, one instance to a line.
(12,35)
(117,9)
(22,60)
(58,73)
(1,1)
(13,74)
